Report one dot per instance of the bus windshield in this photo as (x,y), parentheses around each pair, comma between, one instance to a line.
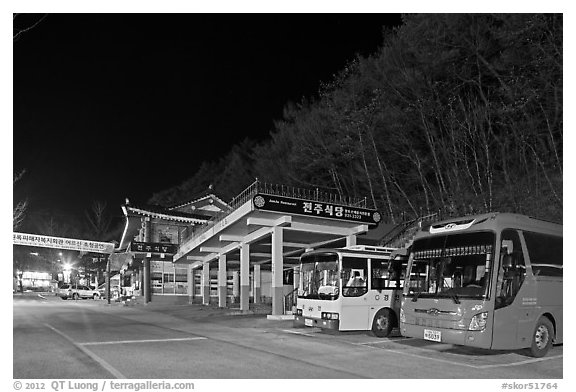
(452,266)
(320,278)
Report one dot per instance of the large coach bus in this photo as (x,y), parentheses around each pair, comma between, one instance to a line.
(492,281)
(354,288)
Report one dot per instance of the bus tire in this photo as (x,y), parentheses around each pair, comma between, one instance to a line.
(541,338)
(384,322)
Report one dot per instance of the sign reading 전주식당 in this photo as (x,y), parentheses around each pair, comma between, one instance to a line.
(316,208)
(45,241)
(153,247)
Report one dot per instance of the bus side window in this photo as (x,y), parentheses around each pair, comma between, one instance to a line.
(354,276)
(512,268)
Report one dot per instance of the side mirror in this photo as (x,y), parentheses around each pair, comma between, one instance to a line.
(507,247)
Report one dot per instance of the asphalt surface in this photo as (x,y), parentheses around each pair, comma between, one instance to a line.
(89,339)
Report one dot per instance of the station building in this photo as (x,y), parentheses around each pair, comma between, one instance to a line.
(244,252)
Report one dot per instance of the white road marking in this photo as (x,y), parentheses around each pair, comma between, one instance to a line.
(466,364)
(297,332)
(89,353)
(384,340)
(141,341)
(519,363)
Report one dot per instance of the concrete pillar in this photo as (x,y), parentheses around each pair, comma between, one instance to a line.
(206,284)
(277,271)
(146,280)
(257,284)
(222,281)
(236,285)
(351,240)
(147,289)
(296,277)
(245,277)
(190,274)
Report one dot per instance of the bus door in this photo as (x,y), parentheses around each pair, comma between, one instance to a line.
(354,275)
(508,312)
(387,284)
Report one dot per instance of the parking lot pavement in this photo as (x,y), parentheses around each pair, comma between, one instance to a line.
(490,363)
(209,328)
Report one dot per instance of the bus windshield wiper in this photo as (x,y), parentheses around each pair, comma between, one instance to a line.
(416,295)
(453,296)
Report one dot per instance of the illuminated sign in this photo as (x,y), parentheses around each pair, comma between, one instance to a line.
(316,208)
(44,241)
(153,247)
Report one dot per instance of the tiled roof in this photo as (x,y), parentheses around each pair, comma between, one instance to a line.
(198,198)
(161,212)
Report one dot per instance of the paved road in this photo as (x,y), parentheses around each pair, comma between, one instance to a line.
(90,339)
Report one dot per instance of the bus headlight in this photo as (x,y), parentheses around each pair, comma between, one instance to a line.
(478,322)
(329,316)
(402,316)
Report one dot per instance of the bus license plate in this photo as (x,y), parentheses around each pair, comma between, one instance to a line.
(309,322)
(432,335)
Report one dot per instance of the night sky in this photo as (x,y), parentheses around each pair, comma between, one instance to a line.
(124,105)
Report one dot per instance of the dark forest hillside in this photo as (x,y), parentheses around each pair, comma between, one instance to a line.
(458,112)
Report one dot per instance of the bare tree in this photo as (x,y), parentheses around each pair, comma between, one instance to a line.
(19,211)
(18,31)
(98,222)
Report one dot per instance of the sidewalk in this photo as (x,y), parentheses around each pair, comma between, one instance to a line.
(212,309)
(185,316)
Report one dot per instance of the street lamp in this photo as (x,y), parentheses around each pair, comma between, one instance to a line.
(67,268)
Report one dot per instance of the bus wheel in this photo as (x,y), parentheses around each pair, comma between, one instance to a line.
(541,338)
(383,323)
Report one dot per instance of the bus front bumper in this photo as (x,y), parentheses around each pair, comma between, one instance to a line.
(301,321)
(480,339)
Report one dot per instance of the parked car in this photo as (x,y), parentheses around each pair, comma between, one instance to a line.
(77,292)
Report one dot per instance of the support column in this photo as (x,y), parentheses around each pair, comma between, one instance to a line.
(146,279)
(236,285)
(296,278)
(277,271)
(206,284)
(257,284)
(351,240)
(245,277)
(108,291)
(190,274)
(147,291)
(222,281)
(141,279)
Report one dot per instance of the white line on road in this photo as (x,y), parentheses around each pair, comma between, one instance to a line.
(466,364)
(519,363)
(385,340)
(96,358)
(141,341)
(297,332)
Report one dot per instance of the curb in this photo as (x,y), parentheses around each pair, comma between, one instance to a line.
(280,317)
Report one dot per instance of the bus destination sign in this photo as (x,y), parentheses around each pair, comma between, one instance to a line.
(318,209)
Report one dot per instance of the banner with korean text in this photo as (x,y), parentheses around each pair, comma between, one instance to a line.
(45,241)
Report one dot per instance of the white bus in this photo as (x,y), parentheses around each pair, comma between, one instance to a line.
(492,281)
(355,288)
